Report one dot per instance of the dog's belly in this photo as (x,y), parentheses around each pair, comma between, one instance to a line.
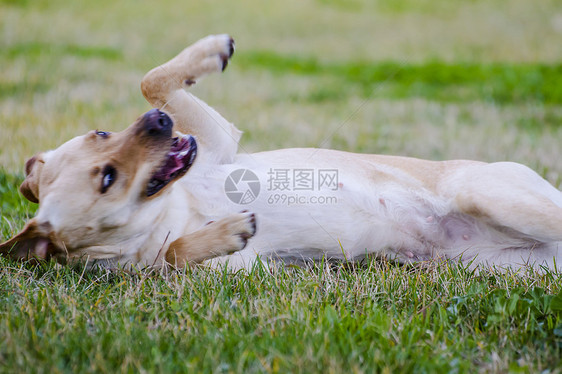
(406,236)
(374,208)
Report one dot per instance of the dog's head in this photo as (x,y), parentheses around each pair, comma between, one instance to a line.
(90,188)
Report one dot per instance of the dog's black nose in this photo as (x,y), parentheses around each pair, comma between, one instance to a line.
(157,123)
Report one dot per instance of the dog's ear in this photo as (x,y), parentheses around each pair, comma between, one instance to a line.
(30,243)
(30,186)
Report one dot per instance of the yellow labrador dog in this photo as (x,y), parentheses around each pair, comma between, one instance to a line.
(128,197)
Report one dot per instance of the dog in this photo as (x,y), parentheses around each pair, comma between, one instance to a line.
(145,196)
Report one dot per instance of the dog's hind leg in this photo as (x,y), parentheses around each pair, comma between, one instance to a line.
(522,207)
(512,196)
(164,88)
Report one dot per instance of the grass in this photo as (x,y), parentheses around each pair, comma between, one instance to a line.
(325,318)
(435,80)
(432,79)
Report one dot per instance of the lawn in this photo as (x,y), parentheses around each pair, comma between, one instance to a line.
(433,79)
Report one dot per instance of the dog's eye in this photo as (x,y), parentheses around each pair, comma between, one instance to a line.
(103,134)
(109,176)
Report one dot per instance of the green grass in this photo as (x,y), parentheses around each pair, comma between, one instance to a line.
(327,318)
(433,79)
(37,50)
(14,209)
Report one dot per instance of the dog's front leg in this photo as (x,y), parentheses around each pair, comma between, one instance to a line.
(164,88)
(218,238)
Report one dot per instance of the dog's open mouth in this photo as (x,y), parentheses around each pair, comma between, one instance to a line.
(177,162)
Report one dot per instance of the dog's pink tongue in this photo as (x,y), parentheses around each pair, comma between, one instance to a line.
(173,164)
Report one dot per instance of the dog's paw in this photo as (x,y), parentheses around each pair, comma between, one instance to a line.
(208,55)
(238,228)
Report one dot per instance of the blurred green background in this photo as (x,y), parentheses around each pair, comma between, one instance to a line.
(434,79)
